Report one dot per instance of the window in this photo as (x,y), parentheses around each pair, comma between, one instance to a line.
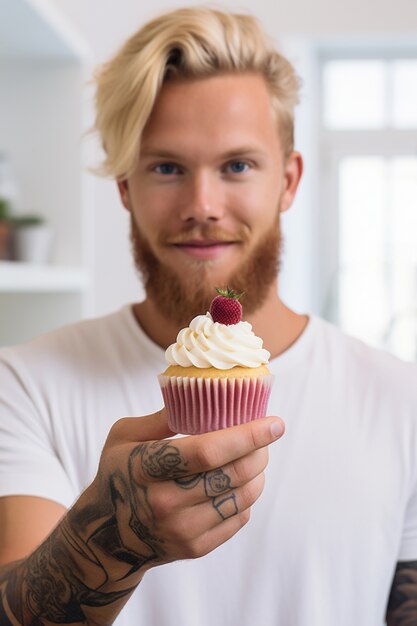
(370,94)
(369,193)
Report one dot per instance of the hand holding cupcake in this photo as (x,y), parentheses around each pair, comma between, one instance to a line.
(217,375)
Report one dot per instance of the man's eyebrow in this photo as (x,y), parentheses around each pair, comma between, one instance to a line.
(161,153)
(157,153)
(242,151)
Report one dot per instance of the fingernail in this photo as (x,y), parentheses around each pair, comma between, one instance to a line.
(276,429)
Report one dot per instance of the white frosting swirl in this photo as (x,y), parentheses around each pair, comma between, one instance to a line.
(210,344)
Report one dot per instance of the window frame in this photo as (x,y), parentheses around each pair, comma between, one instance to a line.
(335,145)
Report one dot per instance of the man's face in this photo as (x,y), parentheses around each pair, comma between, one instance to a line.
(206,194)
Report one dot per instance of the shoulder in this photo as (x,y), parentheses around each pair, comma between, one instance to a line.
(362,364)
(84,340)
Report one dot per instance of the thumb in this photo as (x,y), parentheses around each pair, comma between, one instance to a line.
(146,428)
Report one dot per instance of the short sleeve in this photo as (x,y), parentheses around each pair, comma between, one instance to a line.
(29,464)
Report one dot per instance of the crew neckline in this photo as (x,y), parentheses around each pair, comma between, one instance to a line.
(289,357)
(139,333)
(297,350)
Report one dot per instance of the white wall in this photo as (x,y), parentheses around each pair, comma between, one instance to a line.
(297,25)
(107,22)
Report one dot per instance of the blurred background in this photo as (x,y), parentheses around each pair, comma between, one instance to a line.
(351,236)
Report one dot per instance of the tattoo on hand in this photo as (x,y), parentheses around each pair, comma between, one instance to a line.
(94,557)
(159,460)
(215,482)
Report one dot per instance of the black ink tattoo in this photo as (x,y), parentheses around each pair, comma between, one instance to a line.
(47,587)
(402,603)
(92,559)
(160,460)
(189,482)
(226,506)
(95,555)
(215,482)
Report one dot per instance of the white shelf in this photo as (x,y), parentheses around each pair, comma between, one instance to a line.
(17,277)
(44,112)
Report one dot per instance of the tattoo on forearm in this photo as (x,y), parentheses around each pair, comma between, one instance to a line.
(95,555)
(402,603)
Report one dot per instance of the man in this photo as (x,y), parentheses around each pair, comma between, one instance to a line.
(196,118)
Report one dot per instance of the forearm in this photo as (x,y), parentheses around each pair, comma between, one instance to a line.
(83,572)
(402,604)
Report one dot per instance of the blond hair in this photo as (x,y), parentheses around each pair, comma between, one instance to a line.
(189,43)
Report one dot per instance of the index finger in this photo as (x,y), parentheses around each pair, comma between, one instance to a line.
(216,448)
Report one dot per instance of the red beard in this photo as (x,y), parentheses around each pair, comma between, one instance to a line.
(180,300)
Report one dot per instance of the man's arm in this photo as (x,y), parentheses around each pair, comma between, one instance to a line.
(153,501)
(25,521)
(402,603)
(61,581)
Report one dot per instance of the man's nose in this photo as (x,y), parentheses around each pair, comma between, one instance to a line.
(202,199)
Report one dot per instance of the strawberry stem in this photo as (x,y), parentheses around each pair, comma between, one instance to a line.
(229,293)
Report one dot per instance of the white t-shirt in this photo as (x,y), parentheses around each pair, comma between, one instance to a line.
(339,507)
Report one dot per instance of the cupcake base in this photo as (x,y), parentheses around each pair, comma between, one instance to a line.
(199,405)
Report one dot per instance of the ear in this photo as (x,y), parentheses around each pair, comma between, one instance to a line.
(293,170)
(123,188)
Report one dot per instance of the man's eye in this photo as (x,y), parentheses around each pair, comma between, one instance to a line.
(166,169)
(237,167)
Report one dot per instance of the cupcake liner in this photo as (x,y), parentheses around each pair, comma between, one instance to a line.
(198,405)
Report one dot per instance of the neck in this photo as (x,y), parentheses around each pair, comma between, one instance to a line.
(275,323)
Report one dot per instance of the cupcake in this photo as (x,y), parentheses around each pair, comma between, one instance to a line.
(217,373)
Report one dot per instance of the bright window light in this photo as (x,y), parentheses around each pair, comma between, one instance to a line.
(354,94)
(404,93)
(378,250)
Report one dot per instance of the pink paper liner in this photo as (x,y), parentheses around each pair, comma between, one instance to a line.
(199,405)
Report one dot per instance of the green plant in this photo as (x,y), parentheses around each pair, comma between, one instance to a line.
(24,221)
(4,210)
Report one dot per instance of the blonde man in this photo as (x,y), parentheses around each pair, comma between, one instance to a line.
(196,119)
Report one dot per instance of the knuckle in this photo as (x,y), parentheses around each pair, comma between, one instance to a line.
(246,468)
(244,517)
(247,495)
(115,427)
(252,435)
(262,456)
(196,548)
(162,505)
(257,437)
(180,532)
(116,430)
(206,456)
(252,490)
(241,469)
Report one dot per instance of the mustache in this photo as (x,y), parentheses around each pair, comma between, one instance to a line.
(206,232)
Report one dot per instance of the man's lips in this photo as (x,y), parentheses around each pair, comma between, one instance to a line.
(204,248)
